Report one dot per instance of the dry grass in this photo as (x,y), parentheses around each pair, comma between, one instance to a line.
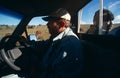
(6,30)
(41,31)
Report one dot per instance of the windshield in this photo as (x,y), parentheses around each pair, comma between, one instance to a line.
(8,21)
(38,27)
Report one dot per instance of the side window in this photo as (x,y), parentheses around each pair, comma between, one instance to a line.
(8,22)
(38,27)
(90,22)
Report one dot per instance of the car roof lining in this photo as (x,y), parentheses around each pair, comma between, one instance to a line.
(43,7)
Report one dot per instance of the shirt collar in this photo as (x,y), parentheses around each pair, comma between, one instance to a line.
(62,34)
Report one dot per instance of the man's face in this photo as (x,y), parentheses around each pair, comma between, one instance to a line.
(53,27)
(106,25)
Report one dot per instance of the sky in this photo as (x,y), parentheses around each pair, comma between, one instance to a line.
(87,13)
(89,10)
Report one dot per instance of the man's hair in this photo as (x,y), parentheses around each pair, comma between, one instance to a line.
(68,23)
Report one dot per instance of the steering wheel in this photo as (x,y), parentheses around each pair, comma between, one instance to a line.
(10,56)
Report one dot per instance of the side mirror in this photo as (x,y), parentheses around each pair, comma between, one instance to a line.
(32,37)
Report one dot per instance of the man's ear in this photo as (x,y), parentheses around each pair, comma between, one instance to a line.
(62,23)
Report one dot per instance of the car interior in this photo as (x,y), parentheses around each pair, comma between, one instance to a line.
(101,52)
